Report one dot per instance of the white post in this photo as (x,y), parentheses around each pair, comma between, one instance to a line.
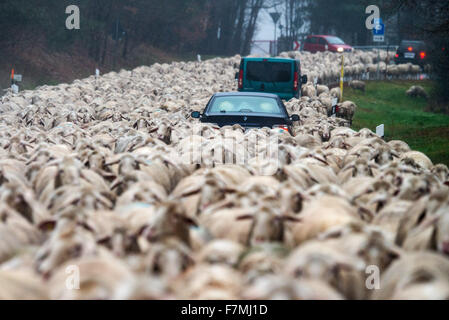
(380,130)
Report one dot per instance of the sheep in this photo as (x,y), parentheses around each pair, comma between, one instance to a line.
(100,277)
(19,285)
(318,216)
(168,259)
(346,110)
(321,89)
(112,174)
(399,147)
(252,226)
(415,276)
(221,251)
(416,91)
(168,221)
(209,282)
(419,158)
(336,93)
(357,85)
(277,287)
(316,260)
(308,91)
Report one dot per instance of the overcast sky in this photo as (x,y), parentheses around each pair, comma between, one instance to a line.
(265,31)
(265,27)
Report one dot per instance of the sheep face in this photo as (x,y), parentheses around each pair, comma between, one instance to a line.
(168,222)
(266,226)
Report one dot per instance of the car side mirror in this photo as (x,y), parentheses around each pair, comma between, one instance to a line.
(195,114)
(304,79)
(294,117)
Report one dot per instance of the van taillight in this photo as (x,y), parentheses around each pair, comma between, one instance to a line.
(410,49)
(422,55)
(397,55)
(295,81)
(241,79)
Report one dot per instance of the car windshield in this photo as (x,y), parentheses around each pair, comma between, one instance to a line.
(416,44)
(245,104)
(334,40)
(265,71)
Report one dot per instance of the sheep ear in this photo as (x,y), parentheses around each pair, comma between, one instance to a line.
(86,226)
(189,221)
(331,234)
(365,212)
(430,221)
(186,219)
(111,163)
(104,241)
(116,183)
(394,254)
(48,225)
(290,218)
(245,217)
(340,266)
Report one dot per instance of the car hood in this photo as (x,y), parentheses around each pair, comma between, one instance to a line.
(246,120)
(344,46)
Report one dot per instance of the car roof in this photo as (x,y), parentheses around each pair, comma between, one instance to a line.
(248,94)
(407,42)
(321,36)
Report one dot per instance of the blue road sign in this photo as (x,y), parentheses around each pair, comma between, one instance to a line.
(379,29)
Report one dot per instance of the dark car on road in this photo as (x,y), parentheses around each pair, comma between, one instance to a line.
(248,109)
(411,51)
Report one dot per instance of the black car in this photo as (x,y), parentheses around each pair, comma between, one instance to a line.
(248,109)
(411,51)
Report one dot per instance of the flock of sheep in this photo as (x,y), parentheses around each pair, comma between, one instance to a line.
(109,190)
(358,65)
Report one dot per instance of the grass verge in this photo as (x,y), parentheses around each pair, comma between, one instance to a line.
(404,117)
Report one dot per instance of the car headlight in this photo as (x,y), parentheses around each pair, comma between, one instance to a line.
(340,49)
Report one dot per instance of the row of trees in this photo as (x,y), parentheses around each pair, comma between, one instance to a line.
(221,27)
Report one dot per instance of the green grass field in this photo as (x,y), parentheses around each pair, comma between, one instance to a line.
(405,118)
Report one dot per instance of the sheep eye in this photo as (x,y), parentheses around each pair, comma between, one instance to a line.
(299,272)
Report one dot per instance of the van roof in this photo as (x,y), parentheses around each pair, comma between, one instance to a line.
(270,59)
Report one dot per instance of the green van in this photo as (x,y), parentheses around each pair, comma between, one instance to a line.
(271,75)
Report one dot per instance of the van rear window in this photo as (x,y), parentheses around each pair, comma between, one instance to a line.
(265,71)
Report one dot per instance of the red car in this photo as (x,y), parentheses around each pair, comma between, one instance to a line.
(325,43)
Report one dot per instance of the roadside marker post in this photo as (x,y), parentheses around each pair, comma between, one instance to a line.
(342,76)
(297,45)
(380,130)
(14,79)
(15,88)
